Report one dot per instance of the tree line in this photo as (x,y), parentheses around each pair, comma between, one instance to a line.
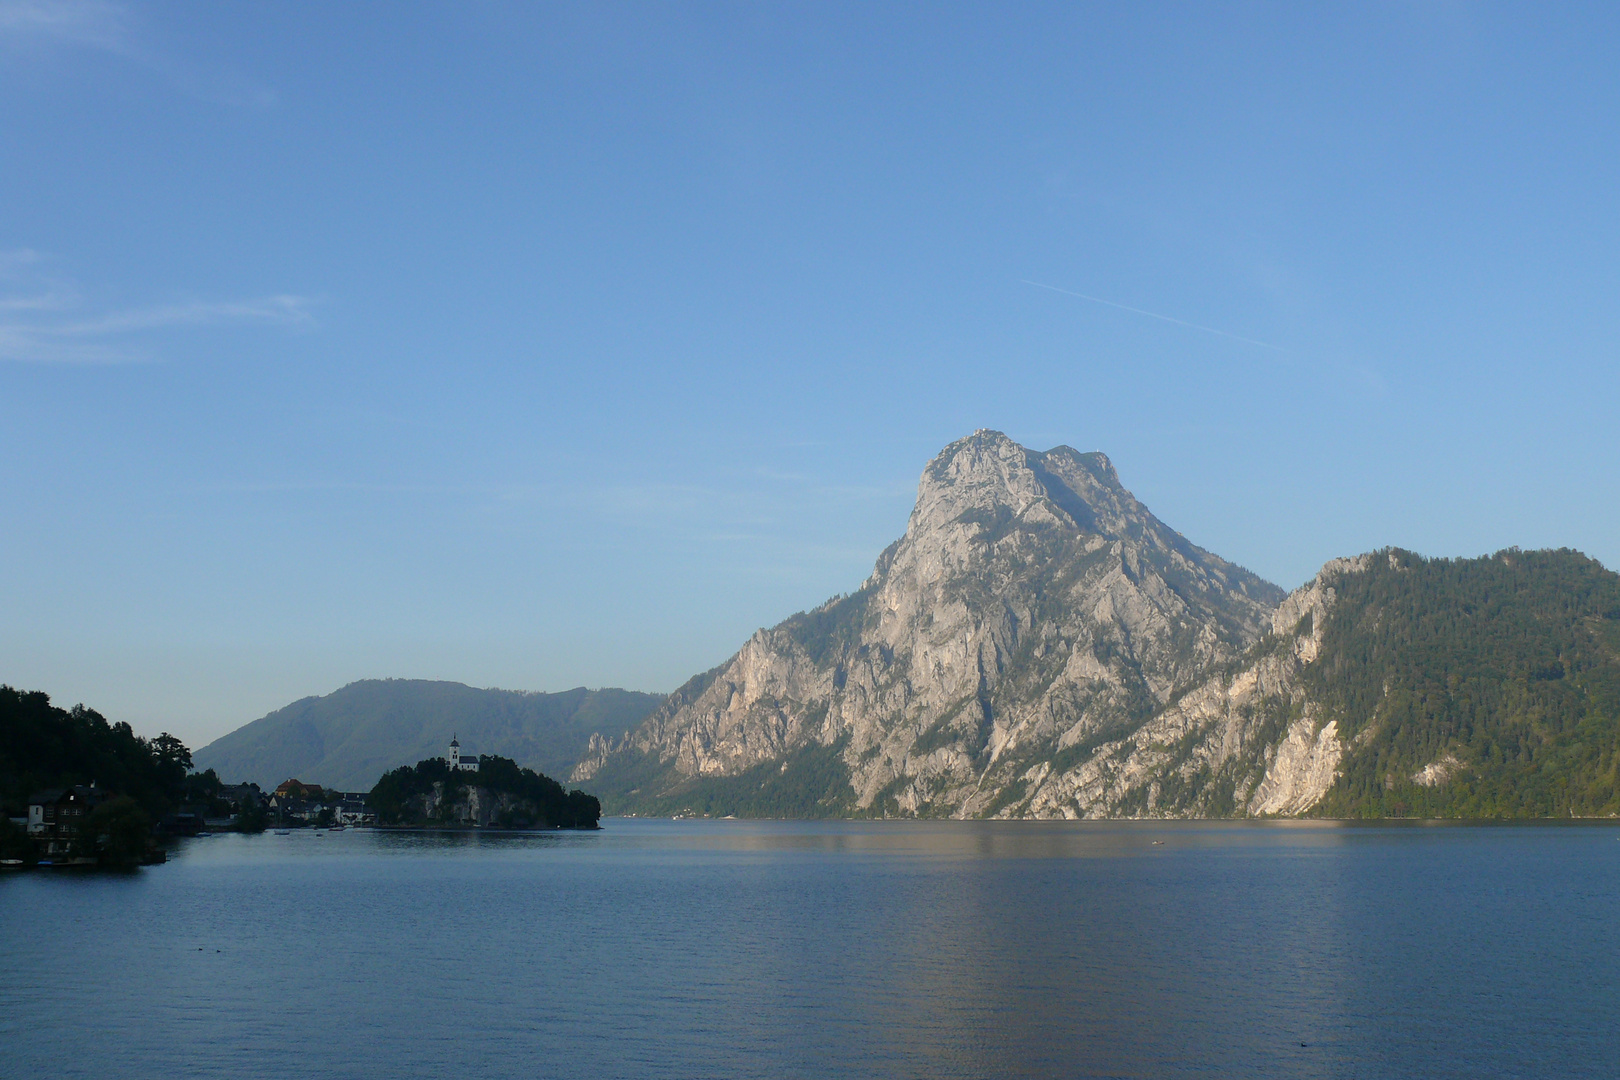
(44,746)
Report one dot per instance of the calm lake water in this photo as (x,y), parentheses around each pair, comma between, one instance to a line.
(747,949)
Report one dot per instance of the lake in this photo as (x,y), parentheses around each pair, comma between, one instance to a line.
(848,949)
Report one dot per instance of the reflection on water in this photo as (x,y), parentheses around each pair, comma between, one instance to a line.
(679,949)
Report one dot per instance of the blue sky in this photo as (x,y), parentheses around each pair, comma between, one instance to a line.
(547,345)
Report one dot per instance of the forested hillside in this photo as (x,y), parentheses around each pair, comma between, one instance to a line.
(1474,687)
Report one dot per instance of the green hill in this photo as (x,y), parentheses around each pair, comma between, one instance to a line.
(1477,688)
(351,737)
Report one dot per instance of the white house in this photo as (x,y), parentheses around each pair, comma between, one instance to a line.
(351,809)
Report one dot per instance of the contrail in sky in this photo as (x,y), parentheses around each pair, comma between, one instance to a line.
(1156,315)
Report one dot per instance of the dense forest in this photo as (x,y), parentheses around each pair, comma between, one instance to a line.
(44,746)
(430,792)
(1502,673)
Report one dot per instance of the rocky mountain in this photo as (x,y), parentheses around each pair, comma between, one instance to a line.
(1039,645)
(349,738)
(1033,610)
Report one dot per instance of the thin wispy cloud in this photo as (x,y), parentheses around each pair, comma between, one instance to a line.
(1156,315)
(49,27)
(42,302)
(16,262)
(88,24)
(45,322)
(287,310)
(23,345)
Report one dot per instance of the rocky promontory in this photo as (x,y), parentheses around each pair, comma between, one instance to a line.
(498,794)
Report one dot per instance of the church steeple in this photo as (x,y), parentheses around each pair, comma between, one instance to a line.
(457,762)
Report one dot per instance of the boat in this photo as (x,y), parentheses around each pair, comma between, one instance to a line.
(283,832)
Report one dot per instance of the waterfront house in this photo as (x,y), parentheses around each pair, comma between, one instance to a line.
(287,808)
(349,808)
(54,816)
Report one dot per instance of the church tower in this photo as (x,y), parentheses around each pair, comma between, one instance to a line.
(455,753)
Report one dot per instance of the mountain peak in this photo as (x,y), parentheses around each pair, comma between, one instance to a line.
(984,470)
(988,477)
(985,499)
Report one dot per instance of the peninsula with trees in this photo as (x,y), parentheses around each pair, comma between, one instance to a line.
(483,792)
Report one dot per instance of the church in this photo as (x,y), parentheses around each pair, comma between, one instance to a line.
(457,762)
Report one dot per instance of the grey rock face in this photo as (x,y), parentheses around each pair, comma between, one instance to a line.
(1034,621)
(469,805)
(1246,741)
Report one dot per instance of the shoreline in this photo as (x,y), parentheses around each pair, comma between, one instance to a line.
(477,829)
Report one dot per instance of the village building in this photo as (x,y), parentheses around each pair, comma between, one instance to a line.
(297,801)
(54,816)
(294,800)
(290,808)
(237,794)
(297,789)
(350,809)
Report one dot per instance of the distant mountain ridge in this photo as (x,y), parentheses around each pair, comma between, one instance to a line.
(1038,644)
(347,739)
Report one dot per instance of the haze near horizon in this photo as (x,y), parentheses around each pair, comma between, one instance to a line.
(541,347)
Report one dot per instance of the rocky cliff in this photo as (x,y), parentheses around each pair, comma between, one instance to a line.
(453,804)
(1248,740)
